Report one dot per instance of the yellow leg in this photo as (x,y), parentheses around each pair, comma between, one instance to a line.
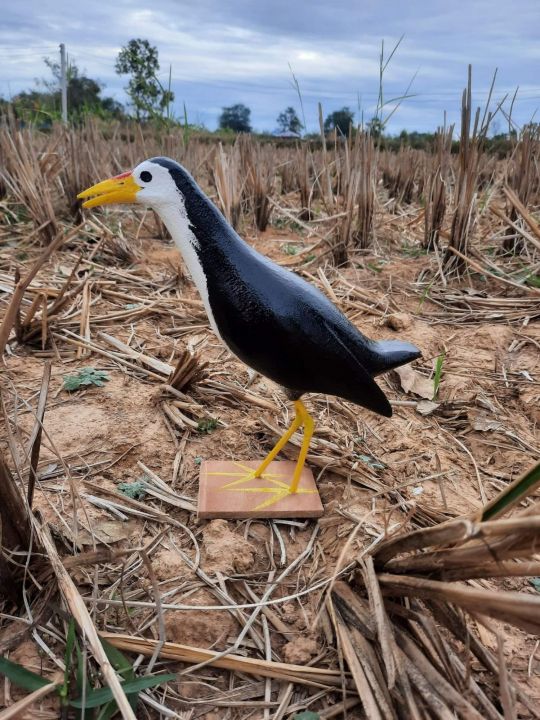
(307,421)
(297,422)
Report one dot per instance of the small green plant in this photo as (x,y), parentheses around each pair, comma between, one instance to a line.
(438,375)
(533,280)
(134,490)
(87,696)
(413,251)
(84,378)
(425,294)
(287,223)
(207,425)
(371,461)
(63,690)
(289,249)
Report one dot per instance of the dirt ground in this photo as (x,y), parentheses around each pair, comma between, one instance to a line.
(447,457)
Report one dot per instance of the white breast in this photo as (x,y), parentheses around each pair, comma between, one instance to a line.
(176,220)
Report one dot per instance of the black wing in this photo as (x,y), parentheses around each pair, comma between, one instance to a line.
(287,330)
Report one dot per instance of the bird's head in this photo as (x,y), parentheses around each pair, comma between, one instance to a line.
(154,183)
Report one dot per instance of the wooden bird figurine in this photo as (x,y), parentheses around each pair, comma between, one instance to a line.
(269,317)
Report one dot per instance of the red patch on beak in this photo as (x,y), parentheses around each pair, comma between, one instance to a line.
(122,175)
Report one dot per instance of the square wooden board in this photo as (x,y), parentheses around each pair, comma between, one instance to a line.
(262,497)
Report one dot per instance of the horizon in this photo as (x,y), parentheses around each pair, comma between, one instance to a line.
(244,54)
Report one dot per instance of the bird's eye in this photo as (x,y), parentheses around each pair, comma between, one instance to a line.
(146,176)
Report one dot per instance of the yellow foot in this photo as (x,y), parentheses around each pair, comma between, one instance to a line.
(279,490)
(246,474)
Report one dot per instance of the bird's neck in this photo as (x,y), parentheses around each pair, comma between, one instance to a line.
(178,224)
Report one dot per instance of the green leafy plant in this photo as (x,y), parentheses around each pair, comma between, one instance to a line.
(513,494)
(438,374)
(207,425)
(88,697)
(63,690)
(371,461)
(533,280)
(413,251)
(425,294)
(20,676)
(95,698)
(287,223)
(289,249)
(84,378)
(134,490)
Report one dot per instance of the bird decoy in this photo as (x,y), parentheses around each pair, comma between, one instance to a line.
(269,317)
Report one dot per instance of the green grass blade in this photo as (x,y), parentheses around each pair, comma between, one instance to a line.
(118,660)
(83,682)
(20,676)
(514,493)
(70,642)
(438,374)
(95,698)
(125,669)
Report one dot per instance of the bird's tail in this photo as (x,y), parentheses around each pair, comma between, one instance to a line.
(390,354)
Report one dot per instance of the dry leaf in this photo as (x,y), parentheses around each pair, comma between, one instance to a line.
(413,382)
(107,531)
(426,407)
(479,420)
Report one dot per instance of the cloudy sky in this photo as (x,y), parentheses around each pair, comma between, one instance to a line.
(224,52)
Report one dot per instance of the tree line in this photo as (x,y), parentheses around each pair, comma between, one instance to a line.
(150,101)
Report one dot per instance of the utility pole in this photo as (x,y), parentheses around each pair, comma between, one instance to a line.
(63,82)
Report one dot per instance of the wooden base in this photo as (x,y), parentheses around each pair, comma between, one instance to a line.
(227,489)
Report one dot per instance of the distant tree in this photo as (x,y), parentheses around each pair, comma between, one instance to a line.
(236,117)
(84,93)
(140,60)
(375,127)
(84,97)
(288,121)
(342,120)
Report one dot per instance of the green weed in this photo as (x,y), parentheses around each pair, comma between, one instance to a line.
(84,378)
(207,425)
(438,375)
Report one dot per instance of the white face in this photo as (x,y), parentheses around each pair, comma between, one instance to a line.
(157,186)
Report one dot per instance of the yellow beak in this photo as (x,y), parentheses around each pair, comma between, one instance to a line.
(119,189)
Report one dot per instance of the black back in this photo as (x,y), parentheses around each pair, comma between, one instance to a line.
(275,321)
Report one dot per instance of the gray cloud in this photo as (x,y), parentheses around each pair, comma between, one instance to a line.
(240,51)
